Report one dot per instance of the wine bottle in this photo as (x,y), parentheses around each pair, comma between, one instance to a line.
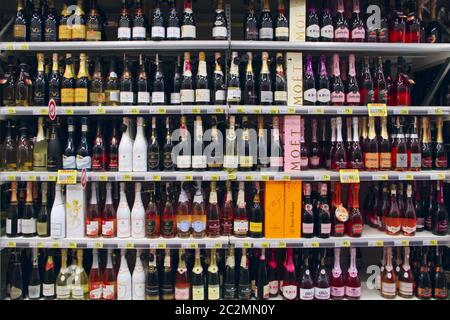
(322,289)
(215,158)
(326,24)
(371,152)
(152,282)
(126,148)
(218,83)
(40,83)
(143,96)
(198,214)
(246,160)
(214,214)
(127,96)
(187,91)
(198,158)
(94,23)
(358,32)
(183,158)
(97,93)
(341,27)
(312,25)
(24,87)
(324,218)
(262,282)
(310,91)
(307,213)
(58,216)
(24,152)
(251,23)
(124,279)
(388,284)
(68,83)
(240,222)
(167,285)
(188,28)
(339,214)
(34,280)
(355,222)
(158,30)
(336,278)
(64,27)
(82,83)
(50,22)
(9,84)
(62,279)
(397,32)
(406,277)
(153,153)
(168,218)
(124,24)
(339,155)
(43,218)
(440,154)
(266,22)
(337,86)
(109,291)
(123,215)
(137,214)
(409,219)
(202,93)
(440,281)
(424,285)
(140,148)
(152,216)
(112,93)
(139,23)
(440,221)
(220,29)
(95,281)
(138,279)
(393,218)
(425,144)
(227,216)
(79,23)
(213,278)
(403,84)
(234,87)
(20,32)
(306,285)
(323,89)
(28,220)
(108,216)
(99,158)
(173,22)
(263,157)
(84,160)
(280,93)
(198,287)
(250,97)
(158,89)
(256,217)
(113,149)
(353,96)
(352,280)
(281,23)
(168,159)
(182,283)
(433,31)
(356,152)
(385,160)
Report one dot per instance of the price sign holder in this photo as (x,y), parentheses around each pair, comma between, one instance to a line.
(67,177)
(377,110)
(349,176)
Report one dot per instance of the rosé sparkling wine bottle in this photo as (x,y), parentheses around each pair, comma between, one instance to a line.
(352,280)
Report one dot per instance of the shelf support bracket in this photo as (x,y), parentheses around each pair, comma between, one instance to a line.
(437,83)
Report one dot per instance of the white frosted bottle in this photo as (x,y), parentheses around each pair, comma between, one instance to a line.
(58,216)
(138,279)
(138,214)
(124,286)
(140,148)
(123,215)
(126,148)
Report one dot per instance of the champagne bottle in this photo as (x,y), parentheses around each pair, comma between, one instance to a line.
(138,279)
(140,148)
(40,83)
(48,283)
(214,214)
(34,281)
(43,217)
(202,93)
(139,23)
(124,24)
(95,282)
(182,283)
(29,215)
(126,148)
(58,216)
(40,148)
(62,285)
(188,28)
(123,215)
(138,214)
(68,83)
(158,30)
(153,153)
(109,291)
(152,282)
(167,286)
(24,150)
(20,23)
(84,160)
(220,30)
(213,278)
(93,218)
(198,286)
(124,281)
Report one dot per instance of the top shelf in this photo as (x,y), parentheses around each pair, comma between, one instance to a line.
(408,49)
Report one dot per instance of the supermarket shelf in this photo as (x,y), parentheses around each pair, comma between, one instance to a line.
(309,175)
(114,243)
(410,49)
(114,110)
(115,46)
(370,238)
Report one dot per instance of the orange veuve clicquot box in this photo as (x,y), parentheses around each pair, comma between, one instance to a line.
(292,209)
(274,209)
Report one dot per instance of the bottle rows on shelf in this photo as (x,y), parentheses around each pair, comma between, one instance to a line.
(261,274)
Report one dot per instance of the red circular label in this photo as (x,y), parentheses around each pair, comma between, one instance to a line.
(52,109)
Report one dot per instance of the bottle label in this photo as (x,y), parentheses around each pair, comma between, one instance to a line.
(290,292)
(83,162)
(306,294)
(202,95)
(78,31)
(182,293)
(274,287)
(123,291)
(173,32)
(95,292)
(266,33)
(20,31)
(313,31)
(440,293)
(388,289)
(48,290)
(158,97)
(323,95)
(40,159)
(187,95)
(240,226)
(353,292)
(219,32)
(139,290)
(77,292)
(140,32)
(198,226)
(198,293)
(246,161)
(183,162)
(81,95)
(126,97)
(424,292)
(321,293)
(34,292)
(441,162)
(144,97)
(8,226)
(276,162)
(310,95)
(175,98)
(114,96)
(358,33)
(357,228)
(28,226)
(56,230)
(307,228)
(280,96)
(353,97)
(342,33)
(199,162)
(137,228)
(124,33)
(371,160)
(256,226)
(92,229)
(327,31)
(406,288)
(92,35)
(402,160)
(108,292)
(442,227)
(188,31)
(67,96)
(62,293)
(337,97)
(184,225)
(123,227)
(230,162)
(139,160)
(160,32)
(107,228)
(221,95)
(409,230)
(325,228)
(167,227)
(337,292)
(266,97)
(125,162)
(234,95)
(427,162)
(65,32)
(281,32)
(385,160)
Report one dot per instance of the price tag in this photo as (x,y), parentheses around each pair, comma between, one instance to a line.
(432,242)
(286,178)
(191,245)
(406,176)
(438,176)
(11,244)
(161,111)
(188,178)
(381,177)
(67,177)
(347,111)
(313,244)
(10,111)
(246,245)
(265,178)
(403,243)
(52,178)
(232,176)
(376,243)
(40,244)
(43,111)
(103,178)
(196,110)
(377,110)
(56,245)
(274,110)
(215,177)
(32,178)
(240,110)
(129,245)
(11,177)
(281,244)
(160,245)
(217,245)
(68,111)
(349,175)
(24,47)
(319,110)
(100,110)
(135,111)
(127,177)
(249,178)
(257,110)
(9,46)
(265,245)
(72,245)
(438,111)
(156,178)
(291,110)
(325,177)
(344,243)
(219,110)
(404,111)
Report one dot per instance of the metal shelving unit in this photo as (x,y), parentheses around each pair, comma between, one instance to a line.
(309,175)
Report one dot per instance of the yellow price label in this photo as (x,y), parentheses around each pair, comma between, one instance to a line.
(56,245)
(11,178)
(404,243)
(265,245)
(319,111)
(440,176)
(32,178)
(345,243)
(40,245)
(379,243)
(257,110)
(52,178)
(43,111)
(274,110)
(286,178)
(409,176)
(98,245)
(129,245)
(265,178)
(377,110)
(67,177)
(432,242)
(9,46)
(439,111)
(24,47)
(127,177)
(281,244)
(240,110)
(404,111)
(217,245)
(10,110)
(246,245)
(156,178)
(383,177)
(192,245)
(188,178)
(291,110)
(249,178)
(100,110)
(103,178)
(232,176)
(325,177)
(135,111)
(161,245)
(215,177)
(219,110)
(11,244)
(347,111)
(196,110)
(69,111)
(313,244)
(349,175)
(161,111)
(72,245)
